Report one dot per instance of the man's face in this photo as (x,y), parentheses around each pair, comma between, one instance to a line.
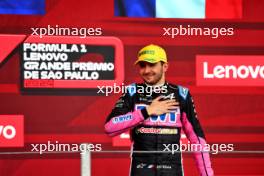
(152,73)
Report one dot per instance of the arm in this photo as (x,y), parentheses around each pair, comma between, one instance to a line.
(194,133)
(123,117)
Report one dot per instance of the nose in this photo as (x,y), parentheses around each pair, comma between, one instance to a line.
(147,69)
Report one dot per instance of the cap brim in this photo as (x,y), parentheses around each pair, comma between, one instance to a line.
(145,61)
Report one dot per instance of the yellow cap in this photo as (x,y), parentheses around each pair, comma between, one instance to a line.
(152,53)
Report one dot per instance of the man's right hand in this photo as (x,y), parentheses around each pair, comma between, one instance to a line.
(158,106)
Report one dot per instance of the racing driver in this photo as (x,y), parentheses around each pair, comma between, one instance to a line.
(155,112)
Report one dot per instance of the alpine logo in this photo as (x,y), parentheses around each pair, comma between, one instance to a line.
(170,96)
(230,70)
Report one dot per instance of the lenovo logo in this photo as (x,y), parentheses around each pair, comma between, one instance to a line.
(7,132)
(230,70)
(11,131)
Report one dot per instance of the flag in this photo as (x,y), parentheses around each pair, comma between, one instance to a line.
(196,9)
(22,7)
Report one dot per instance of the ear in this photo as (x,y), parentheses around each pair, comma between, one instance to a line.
(165,67)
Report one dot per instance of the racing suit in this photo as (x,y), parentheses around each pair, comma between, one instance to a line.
(152,133)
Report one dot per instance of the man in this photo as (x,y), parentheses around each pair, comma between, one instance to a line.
(155,119)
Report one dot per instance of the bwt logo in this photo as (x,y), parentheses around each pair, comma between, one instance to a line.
(11,130)
(171,117)
(226,70)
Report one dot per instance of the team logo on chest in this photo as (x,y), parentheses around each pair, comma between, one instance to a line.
(167,119)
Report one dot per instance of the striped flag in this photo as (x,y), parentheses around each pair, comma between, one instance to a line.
(22,7)
(196,9)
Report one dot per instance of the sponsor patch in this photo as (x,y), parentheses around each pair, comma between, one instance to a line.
(153,166)
(183,92)
(157,130)
(132,89)
(122,119)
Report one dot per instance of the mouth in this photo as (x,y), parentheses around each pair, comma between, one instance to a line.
(149,76)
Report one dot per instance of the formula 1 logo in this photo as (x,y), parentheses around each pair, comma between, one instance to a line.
(226,70)
(11,131)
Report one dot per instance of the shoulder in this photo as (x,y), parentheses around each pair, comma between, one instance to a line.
(181,90)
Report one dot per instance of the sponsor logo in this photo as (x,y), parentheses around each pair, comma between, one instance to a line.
(153,166)
(157,130)
(11,131)
(122,119)
(152,52)
(163,166)
(8,131)
(141,166)
(170,96)
(163,118)
(230,70)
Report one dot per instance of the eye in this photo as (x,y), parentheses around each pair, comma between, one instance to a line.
(152,64)
(142,64)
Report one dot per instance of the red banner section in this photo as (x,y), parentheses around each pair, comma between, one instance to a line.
(8,43)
